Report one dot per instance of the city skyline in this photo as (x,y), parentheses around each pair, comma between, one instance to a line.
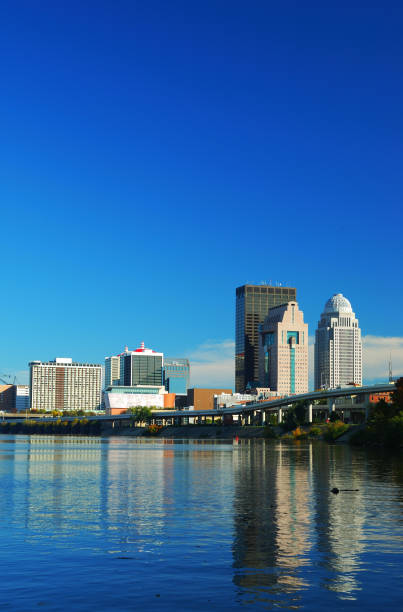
(206,146)
(213,362)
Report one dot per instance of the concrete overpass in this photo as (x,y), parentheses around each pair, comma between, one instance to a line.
(276,406)
(246,413)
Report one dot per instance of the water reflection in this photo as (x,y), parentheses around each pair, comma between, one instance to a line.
(273,514)
(254,524)
(290,530)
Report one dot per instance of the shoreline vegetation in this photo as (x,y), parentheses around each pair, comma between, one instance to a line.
(384,427)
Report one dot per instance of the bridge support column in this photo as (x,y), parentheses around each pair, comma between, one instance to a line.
(280,416)
(331,406)
(310,413)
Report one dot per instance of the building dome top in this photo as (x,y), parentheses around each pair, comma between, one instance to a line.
(338,303)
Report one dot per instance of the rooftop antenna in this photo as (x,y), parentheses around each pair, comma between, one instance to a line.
(390,368)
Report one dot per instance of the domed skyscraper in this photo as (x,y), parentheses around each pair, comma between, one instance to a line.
(338,346)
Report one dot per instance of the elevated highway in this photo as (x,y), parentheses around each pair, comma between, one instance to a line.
(245,413)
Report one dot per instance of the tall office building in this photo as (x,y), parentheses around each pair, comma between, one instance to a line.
(176,375)
(252,306)
(65,385)
(283,350)
(112,371)
(141,367)
(338,346)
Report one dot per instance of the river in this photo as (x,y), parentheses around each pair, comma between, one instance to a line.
(120,524)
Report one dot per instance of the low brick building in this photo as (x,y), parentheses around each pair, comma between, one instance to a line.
(7,398)
(203,399)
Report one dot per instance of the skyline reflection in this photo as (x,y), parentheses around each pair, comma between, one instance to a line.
(257,517)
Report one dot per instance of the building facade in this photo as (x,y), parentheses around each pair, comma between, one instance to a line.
(226,400)
(338,346)
(176,375)
(203,399)
(112,371)
(65,385)
(21,398)
(7,398)
(283,350)
(14,398)
(120,399)
(142,366)
(252,307)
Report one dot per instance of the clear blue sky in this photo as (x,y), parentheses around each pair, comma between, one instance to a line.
(155,155)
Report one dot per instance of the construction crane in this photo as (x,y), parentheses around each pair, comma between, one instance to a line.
(8,382)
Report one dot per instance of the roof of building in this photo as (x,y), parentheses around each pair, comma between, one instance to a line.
(338,303)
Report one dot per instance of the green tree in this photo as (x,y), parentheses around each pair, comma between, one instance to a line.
(300,412)
(397,395)
(382,411)
(140,414)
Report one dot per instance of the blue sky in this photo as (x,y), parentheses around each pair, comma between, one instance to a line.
(156,155)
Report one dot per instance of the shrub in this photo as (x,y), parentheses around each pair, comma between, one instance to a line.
(334,430)
(152,430)
(315,432)
(299,434)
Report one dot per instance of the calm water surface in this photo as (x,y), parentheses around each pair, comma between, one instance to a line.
(122,524)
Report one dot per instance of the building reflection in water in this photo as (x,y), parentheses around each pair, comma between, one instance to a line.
(339,520)
(271,500)
(288,524)
(273,515)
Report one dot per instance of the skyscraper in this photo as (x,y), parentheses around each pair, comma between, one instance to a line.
(338,346)
(252,306)
(141,367)
(283,350)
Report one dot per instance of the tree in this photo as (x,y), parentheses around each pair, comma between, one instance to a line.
(383,411)
(397,395)
(140,414)
(300,412)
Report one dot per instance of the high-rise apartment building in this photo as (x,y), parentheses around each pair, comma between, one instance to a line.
(65,385)
(252,306)
(338,346)
(141,367)
(283,350)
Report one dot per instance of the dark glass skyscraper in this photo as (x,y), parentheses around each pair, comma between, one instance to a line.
(141,367)
(252,306)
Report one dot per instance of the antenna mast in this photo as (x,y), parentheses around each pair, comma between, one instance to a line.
(390,368)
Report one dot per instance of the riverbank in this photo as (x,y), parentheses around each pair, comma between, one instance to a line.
(330,432)
(227,432)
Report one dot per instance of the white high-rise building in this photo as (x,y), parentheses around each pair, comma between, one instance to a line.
(338,346)
(65,385)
